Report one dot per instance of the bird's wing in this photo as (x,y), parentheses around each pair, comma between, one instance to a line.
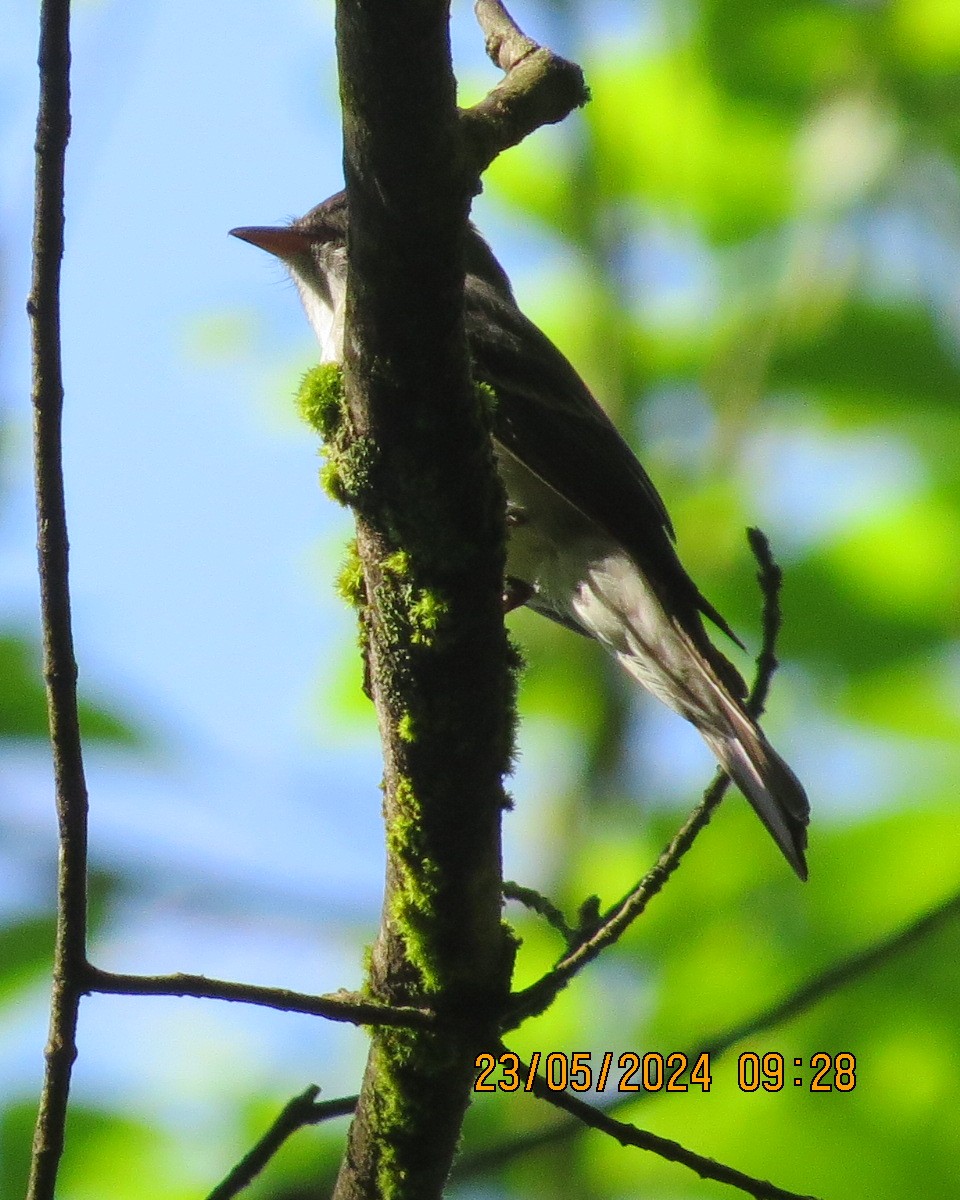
(547,417)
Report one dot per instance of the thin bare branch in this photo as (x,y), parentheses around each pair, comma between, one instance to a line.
(641,1139)
(536,998)
(350,1007)
(505,42)
(539,88)
(620,916)
(540,904)
(59,665)
(770,579)
(301,1111)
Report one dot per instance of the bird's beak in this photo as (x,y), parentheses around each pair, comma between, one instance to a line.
(281,240)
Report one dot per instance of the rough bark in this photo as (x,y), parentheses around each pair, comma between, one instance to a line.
(419,473)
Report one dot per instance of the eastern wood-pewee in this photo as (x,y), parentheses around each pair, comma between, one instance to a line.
(590,541)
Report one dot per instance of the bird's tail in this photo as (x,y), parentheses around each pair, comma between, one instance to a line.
(695,679)
(775,793)
(671,656)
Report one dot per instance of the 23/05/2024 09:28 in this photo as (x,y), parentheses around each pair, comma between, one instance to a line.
(654,1072)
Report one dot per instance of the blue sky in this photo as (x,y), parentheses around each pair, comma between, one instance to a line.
(202,549)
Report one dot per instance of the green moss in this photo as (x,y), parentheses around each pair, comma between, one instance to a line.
(414,900)
(351,585)
(320,399)
(398,564)
(407,1063)
(331,483)
(413,615)
(355,463)
(409,606)
(426,613)
(397,1109)
(350,461)
(346,474)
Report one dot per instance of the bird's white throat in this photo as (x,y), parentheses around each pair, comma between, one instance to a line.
(326,321)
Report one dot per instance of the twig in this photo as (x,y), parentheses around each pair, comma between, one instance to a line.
(539,88)
(542,905)
(630,1135)
(620,916)
(770,579)
(536,998)
(301,1111)
(505,42)
(345,1006)
(59,666)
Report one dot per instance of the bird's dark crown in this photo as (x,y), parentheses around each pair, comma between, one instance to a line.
(328,222)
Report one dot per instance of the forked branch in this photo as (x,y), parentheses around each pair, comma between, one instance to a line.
(538,88)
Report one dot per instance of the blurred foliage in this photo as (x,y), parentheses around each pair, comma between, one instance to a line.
(758,222)
(759,210)
(23,702)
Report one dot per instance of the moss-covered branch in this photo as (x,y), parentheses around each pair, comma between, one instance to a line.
(409,450)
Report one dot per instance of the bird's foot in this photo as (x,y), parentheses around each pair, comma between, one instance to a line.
(516,592)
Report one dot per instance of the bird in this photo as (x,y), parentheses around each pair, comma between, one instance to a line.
(590,543)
